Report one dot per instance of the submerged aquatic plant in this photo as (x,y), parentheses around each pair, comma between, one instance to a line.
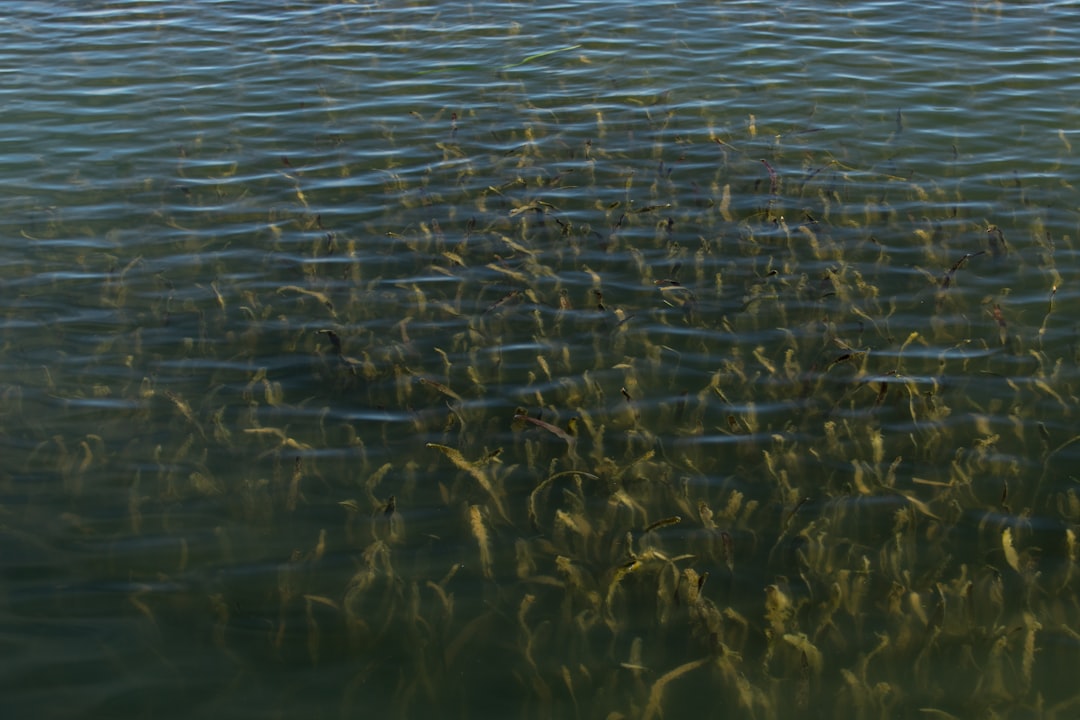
(589,433)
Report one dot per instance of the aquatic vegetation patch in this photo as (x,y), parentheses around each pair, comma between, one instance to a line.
(577,425)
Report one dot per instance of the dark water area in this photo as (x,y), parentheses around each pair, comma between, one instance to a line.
(539,360)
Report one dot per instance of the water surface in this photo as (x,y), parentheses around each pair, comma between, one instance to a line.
(527,359)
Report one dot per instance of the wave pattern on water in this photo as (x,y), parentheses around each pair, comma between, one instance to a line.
(538,359)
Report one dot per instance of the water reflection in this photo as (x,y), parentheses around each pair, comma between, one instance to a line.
(449,364)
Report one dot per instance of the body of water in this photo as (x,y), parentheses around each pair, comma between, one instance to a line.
(527,359)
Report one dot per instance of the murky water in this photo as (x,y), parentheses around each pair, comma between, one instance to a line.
(539,360)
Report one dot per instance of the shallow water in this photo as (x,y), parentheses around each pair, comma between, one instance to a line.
(355,356)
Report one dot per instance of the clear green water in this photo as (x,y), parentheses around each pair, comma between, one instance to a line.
(358,359)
